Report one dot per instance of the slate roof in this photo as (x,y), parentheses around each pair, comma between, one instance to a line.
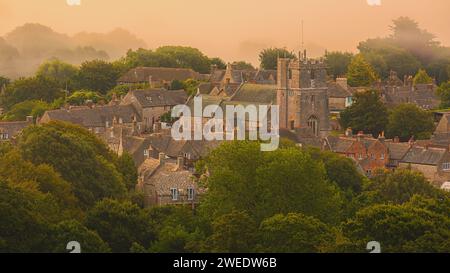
(337,91)
(157,74)
(12,128)
(424,156)
(256,93)
(397,151)
(96,116)
(338,144)
(159,97)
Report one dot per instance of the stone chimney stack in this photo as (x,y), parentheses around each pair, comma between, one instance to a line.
(162,158)
(360,135)
(349,132)
(342,82)
(180,162)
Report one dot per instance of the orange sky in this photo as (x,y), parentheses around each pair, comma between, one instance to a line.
(232,29)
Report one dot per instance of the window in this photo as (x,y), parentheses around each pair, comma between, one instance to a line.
(145,152)
(382,156)
(174,193)
(360,157)
(4,136)
(191,193)
(446,166)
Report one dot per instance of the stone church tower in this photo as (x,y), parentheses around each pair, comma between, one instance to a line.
(302,95)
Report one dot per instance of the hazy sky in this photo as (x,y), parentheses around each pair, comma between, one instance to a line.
(232,29)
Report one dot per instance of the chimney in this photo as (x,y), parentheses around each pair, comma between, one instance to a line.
(180,163)
(342,82)
(162,158)
(30,119)
(90,103)
(381,137)
(349,132)
(360,135)
(396,139)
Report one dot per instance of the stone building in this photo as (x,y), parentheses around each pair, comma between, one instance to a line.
(10,129)
(302,95)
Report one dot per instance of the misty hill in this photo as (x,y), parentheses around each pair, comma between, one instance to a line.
(26,47)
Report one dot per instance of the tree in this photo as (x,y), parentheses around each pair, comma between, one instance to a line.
(401,185)
(368,114)
(360,72)
(444,93)
(235,232)
(422,78)
(80,97)
(97,75)
(408,120)
(71,230)
(242,65)
(127,167)
(120,224)
(36,88)
(80,158)
(399,229)
(4,82)
(295,233)
(58,71)
(218,62)
(241,177)
(269,57)
(186,57)
(338,63)
(21,110)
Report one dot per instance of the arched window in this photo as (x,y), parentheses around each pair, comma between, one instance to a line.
(313,123)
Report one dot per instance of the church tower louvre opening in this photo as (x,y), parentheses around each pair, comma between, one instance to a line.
(302,95)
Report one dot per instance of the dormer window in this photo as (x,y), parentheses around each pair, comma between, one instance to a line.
(446,166)
(148,98)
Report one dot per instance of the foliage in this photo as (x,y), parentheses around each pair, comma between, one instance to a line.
(269,57)
(444,93)
(241,177)
(126,166)
(35,88)
(218,62)
(21,110)
(58,71)
(242,65)
(97,75)
(81,96)
(360,72)
(368,114)
(295,233)
(422,78)
(408,120)
(120,224)
(80,158)
(338,63)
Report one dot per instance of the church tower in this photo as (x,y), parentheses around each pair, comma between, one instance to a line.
(302,95)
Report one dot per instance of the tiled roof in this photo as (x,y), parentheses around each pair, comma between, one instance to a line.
(337,91)
(159,97)
(143,74)
(12,128)
(257,93)
(96,116)
(397,150)
(424,156)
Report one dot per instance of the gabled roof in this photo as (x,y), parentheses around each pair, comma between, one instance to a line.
(143,74)
(96,116)
(397,151)
(159,97)
(256,93)
(424,156)
(337,91)
(12,128)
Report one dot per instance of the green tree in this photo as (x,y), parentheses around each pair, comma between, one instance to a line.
(21,110)
(127,167)
(338,63)
(81,96)
(80,158)
(120,224)
(4,82)
(97,75)
(218,62)
(360,72)
(241,177)
(36,88)
(242,65)
(368,113)
(295,233)
(235,232)
(269,57)
(399,229)
(58,71)
(71,230)
(408,120)
(444,93)
(422,77)
(186,57)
